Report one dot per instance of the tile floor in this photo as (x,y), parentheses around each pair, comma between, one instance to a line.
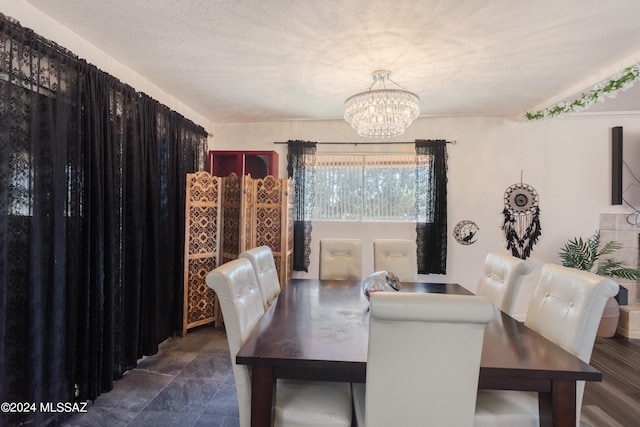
(188,383)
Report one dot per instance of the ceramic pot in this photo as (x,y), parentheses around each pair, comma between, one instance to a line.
(609,322)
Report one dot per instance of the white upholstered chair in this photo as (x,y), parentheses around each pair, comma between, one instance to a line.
(501,279)
(397,256)
(297,403)
(423,360)
(565,308)
(266,273)
(340,259)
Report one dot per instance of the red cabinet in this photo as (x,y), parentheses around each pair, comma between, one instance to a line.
(258,164)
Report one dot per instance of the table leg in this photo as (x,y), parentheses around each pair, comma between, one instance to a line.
(558,408)
(563,395)
(262,394)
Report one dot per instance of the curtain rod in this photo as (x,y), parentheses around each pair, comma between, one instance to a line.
(454,142)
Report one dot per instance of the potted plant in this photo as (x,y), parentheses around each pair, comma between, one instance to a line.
(590,255)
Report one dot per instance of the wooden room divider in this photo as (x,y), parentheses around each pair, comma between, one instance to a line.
(225,216)
(268,220)
(201,249)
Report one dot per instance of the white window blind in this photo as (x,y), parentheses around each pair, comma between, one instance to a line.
(359,187)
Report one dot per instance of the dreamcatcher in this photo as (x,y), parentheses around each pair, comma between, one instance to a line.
(521,219)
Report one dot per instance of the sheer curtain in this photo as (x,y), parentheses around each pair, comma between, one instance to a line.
(91,223)
(431,206)
(301,159)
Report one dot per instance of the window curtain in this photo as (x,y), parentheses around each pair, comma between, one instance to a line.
(301,160)
(41,178)
(91,224)
(431,206)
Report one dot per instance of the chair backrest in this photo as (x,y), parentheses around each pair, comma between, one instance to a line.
(398,256)
(340,259)
(566,308)
(266,273)
(501,279)
(424,358)
(241,302)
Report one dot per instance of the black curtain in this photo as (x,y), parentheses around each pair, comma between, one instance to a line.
(301,160)
(40,226)
(91,224)
(175,160)
(431,206)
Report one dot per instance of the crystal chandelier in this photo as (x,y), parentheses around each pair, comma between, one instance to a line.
(380,112)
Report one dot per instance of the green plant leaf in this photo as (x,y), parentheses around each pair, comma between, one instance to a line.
(609,248)
(578,253)
(585,254)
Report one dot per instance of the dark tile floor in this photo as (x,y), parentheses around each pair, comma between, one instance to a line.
(188,383)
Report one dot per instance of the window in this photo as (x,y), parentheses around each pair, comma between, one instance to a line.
(365,187)
(429,167)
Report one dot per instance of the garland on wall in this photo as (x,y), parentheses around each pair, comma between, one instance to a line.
(609,88)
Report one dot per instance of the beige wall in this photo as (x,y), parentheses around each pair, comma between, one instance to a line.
(566,160)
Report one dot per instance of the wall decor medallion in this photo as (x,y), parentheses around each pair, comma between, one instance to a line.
(521,219)
(465,232)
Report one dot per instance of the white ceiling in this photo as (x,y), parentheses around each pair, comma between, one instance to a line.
(272,60)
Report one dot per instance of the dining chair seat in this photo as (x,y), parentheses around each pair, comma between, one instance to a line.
(340,259)
(297,403)
(266,273)
(500,408)
(501,280)
(566,307)
(397,256)
(423,360)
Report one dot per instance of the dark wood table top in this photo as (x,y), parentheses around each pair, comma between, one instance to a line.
(323,325)
(318,330)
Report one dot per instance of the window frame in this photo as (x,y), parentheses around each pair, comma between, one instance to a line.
(367,162)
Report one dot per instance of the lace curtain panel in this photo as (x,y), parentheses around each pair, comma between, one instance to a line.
(431,206)
(301,159)
(92,178)
(430,202)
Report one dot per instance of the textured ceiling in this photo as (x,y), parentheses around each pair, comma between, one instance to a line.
(259,60)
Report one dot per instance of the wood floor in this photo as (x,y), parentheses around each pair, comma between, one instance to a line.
(616,400)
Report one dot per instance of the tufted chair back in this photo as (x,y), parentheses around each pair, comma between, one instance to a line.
(398,256)
(566,308)
(266,273)
(501,279)
(340,259)
(412,382)
(297,403)
(241,302)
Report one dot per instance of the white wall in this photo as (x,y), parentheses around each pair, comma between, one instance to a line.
(568,162)
(41,24)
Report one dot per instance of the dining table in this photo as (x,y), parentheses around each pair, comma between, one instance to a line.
(319,330)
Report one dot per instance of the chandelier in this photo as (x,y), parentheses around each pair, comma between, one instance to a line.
(380,112)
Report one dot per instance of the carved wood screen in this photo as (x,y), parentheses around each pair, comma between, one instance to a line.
(201,255)
(225,216)
(230,218)
(267,216)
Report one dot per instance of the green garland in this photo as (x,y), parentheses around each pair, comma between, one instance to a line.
(607,88)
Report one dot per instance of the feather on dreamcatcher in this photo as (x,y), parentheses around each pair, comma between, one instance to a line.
(521,219)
